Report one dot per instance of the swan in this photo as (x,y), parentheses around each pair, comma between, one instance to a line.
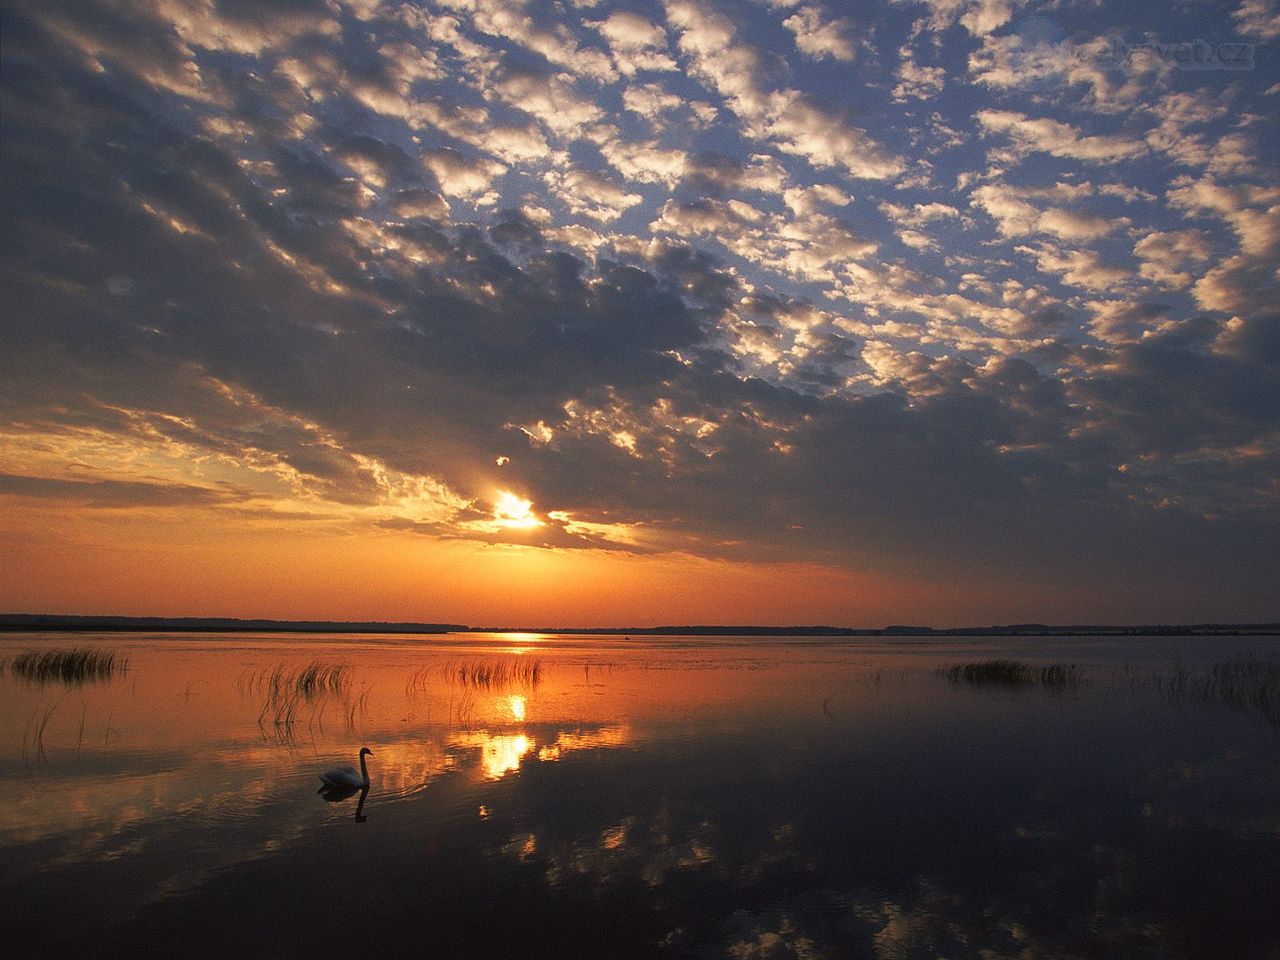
(340,777)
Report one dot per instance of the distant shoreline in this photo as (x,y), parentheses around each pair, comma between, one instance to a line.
(13,622)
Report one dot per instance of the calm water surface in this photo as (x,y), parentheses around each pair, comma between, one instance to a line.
(594,797)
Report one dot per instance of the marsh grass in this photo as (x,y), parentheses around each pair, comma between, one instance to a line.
(1246,684)
(1242,683)
(71,666)
(292,694)
(486,674)
(307,682)
(1012,673)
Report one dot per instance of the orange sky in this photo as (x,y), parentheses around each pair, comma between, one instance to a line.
(188,562)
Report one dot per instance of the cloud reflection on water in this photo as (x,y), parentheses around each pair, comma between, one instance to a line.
(716,810)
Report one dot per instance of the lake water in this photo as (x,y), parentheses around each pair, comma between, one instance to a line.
(594,797)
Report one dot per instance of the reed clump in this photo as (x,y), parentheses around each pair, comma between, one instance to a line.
(1012,673)
(307,682)
(1244,683)
(72,665)
(286,691)
(493,673)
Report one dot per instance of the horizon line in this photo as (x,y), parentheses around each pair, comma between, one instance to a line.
(15,622)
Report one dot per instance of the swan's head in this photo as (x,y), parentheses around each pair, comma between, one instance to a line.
(364,750)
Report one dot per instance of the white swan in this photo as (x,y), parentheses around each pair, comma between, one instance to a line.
(346,777)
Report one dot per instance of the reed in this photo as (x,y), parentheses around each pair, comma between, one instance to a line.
(1012,673)
(308,681)
(1243,683)
(493,673)
(286,692)
(33,734)
(73,665)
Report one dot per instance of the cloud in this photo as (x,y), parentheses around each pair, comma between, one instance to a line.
(916,81)
(1039,59)
(549,96)
(1060,139)
(459,175)
(819,37)
(553,41)
(591,194)
(1016,215)
(117,494)
(646,162)
(1081,268)
(419,203)
(1258,18)
(795,121)
(636,43)
(1165,253)
(336,263)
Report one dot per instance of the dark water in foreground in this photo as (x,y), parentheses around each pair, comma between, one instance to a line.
(592,797)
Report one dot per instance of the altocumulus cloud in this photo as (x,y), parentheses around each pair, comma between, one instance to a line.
(686,280)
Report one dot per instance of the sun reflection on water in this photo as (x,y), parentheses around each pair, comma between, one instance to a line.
(500,754)
(517,705)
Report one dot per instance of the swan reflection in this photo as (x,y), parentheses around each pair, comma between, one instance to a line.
(338,794)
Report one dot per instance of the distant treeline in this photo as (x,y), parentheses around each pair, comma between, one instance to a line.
(25,621)
(1009,630)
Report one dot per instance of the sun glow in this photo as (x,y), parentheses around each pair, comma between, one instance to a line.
(512,511)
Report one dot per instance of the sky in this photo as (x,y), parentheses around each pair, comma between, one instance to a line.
(684,311)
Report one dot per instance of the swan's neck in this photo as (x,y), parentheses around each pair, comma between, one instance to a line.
(364,770)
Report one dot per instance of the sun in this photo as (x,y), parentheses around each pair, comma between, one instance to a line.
(512,511)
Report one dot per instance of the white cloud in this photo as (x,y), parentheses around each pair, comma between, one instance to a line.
(1058,138)
(646,162)
(819,37)
(915,81)
(1082,73)
(813,247)
(1080,268)
(460,175)
(588,193)
(1249,281)
(986,15)
(909,221)
(1017,216)
(795,122)
(650,100)
(508,20)
(1165,253)
(550,97)
(803,201)
(636,43)
(1074,225)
